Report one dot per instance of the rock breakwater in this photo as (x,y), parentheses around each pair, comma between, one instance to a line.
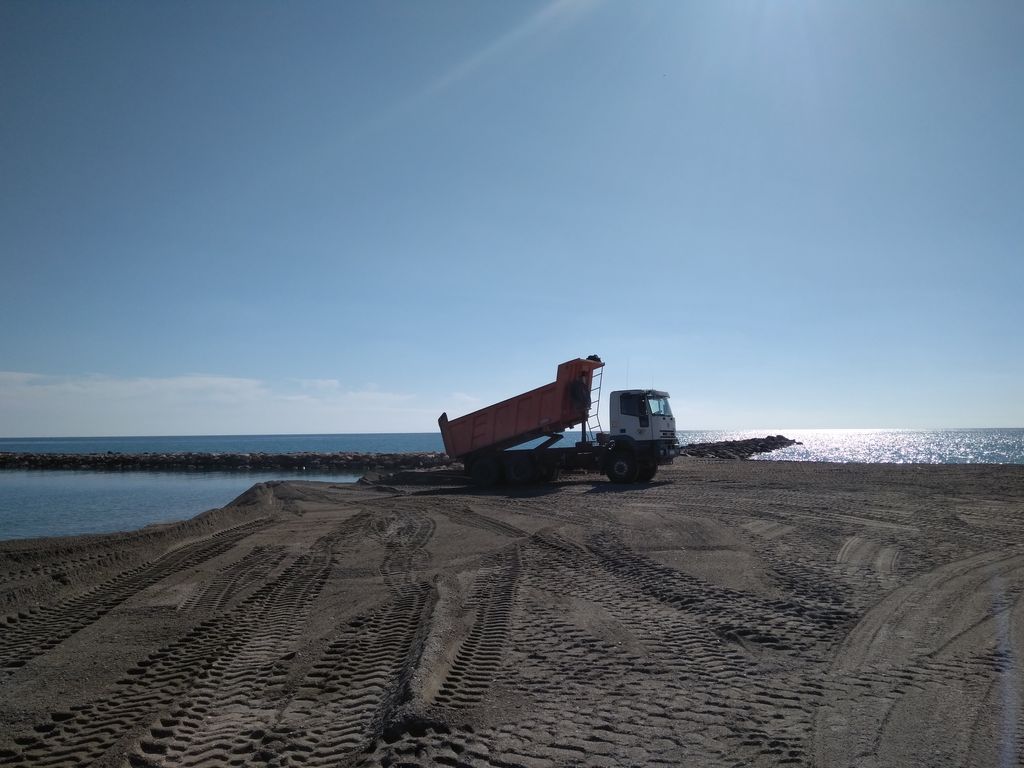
(347,462)
(737,449)
(342,462)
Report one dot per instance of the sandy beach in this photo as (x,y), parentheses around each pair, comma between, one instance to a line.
(729,613)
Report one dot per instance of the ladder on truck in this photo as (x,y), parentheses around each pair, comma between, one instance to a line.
(593,422)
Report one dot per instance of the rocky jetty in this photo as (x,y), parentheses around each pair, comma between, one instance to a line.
(737,449)
(225,462)
(345,462)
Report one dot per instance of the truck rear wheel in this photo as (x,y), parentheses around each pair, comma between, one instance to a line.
(549,474)
(622,467)
(485,472)
(520,469)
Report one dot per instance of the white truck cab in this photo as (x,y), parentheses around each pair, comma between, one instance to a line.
(641,415)
(641,434)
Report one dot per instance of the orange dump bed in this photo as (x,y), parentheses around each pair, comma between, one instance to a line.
(552,408)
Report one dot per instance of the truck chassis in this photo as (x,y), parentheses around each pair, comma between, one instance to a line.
(623,461)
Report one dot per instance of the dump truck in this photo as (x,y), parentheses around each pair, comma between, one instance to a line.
(491,441)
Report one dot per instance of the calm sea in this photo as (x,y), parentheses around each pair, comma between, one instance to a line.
(888,446)
(380,443)
(59,503)
(44,502)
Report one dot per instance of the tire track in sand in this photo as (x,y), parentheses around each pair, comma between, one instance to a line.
(688,684)
(469,517)
(87,561)
(783,625)
(352,695)
(345,702)
(661,688)
(480,655)
(234,578)
(223,719)
(872,557)
(243,641)
(423,738)
(935,653)
(28,635)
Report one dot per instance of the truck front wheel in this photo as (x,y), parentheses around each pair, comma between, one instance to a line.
(647,471)
(622,467)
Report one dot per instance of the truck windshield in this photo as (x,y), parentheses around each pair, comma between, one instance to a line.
(659,406)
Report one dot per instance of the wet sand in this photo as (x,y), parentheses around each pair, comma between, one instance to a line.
(728,613)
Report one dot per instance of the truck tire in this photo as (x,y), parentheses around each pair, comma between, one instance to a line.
(519,468)
(622,467)
(549,474)
(646,472)
(485,472)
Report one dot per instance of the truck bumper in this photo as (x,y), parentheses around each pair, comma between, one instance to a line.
(667,452)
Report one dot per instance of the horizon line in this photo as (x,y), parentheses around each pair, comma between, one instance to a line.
(434,432)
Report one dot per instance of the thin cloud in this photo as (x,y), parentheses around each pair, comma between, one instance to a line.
(319,385)
(36,405)
(555,15)
(460,403)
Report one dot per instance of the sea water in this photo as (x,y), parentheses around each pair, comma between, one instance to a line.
(888,446)
(61,503)
(928,446)
(410,442)
(57,502)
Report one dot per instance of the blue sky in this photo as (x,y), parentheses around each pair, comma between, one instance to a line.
(256,217)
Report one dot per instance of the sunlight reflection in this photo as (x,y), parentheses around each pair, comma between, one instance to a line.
(896,446)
